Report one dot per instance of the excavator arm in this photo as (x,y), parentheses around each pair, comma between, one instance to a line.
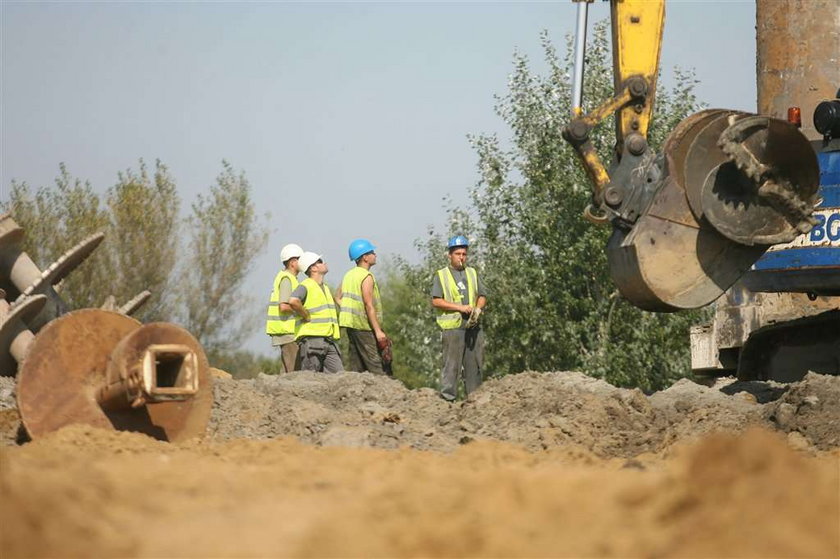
(690,221)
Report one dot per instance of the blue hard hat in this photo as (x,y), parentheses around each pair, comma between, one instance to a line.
(358,248)
(458,241)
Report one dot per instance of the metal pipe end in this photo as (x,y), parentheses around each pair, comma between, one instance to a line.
(170,372)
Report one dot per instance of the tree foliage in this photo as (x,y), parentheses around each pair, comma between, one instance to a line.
(198,282)
(552,304)
(225,237)
(143,238)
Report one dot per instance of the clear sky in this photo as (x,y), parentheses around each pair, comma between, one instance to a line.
(365,105)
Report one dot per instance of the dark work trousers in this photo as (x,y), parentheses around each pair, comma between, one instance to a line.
(463,348)
(319,354)
(363,351)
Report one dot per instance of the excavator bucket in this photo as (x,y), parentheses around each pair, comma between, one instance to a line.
(732,185)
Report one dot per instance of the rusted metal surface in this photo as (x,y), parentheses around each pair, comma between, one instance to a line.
(67,370)
(21,277)
(798,56)
(129,307)
(15,335)
(704,228)
(156,363)
(22,281)
(767,193)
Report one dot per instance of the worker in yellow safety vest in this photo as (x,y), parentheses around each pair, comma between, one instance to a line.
(360,316)
(316,328)
(280,319)
(459,298)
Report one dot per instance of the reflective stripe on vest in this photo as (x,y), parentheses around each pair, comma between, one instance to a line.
(353,313)
(279,323)
(322,317)
(449,320)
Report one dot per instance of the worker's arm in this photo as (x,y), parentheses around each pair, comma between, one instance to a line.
(297,306)
(444,305)
(285,293)
(370,310)
(480,302)
(337,296)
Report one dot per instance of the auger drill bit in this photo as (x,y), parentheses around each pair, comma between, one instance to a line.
(105,369)
(18,273)
(15,335)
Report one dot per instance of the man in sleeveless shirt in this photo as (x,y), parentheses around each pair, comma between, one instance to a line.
(360,316)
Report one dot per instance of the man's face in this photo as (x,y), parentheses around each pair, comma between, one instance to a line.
(319,266)
(458,258)
(370,258)
(292,264)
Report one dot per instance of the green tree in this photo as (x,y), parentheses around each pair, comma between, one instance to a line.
(225,236)
(143,238)
(552,304)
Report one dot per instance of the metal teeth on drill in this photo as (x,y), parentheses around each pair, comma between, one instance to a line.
(135,303)
(13,319)
(65,264)
(129,307)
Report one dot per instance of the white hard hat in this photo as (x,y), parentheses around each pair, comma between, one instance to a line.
(290,251)
(308,259)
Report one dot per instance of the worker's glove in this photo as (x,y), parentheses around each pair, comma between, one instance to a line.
(472,322)
(385,350)
(386,355)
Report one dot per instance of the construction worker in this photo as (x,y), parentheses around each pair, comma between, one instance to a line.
(459,298)
(316,329)
(280,322)
(361,311)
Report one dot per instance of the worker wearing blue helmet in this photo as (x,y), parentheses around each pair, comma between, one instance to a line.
(361,312)
(459,297)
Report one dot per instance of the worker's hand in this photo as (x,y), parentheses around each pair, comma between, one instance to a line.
(381,338)
(466,309)
(474,316)
(306,317)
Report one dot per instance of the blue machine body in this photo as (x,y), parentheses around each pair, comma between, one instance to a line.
(811,262)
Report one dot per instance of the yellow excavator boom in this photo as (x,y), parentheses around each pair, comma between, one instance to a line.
(637,42)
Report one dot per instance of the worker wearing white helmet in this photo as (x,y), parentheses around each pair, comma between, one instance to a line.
(280,321)
(316,329)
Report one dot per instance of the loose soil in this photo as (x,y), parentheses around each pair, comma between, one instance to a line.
(531,465)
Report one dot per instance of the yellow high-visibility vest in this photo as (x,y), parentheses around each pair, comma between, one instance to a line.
(323,320)
(352,314)
(449,320)
(280,323)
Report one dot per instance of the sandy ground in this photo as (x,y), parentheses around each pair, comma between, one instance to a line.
(532,465)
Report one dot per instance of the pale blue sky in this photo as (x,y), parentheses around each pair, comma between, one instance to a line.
(368,104)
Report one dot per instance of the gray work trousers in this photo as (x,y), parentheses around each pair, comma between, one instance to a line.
(319,354)
(463,349)
(363,351)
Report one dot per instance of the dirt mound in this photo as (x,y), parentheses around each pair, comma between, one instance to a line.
(810,410)
(84,492)
(535,464)
(535,410)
